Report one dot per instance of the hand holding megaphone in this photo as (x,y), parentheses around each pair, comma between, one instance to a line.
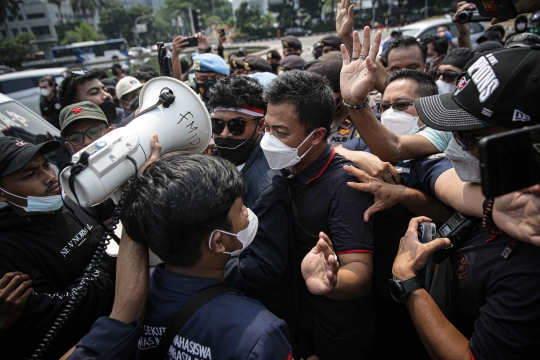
(169,109)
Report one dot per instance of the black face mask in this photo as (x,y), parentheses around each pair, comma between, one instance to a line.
(109,109)
(317,54)
(204,88)
(235,150)
(274,67)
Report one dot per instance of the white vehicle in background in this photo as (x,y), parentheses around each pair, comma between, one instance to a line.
(91,52)
(429,27)
(23,86)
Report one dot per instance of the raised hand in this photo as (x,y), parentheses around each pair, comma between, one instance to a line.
(203,41)
(320,267)
(358,73)
(463,28)
(344,19)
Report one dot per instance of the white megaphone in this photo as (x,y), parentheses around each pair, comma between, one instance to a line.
(183,125)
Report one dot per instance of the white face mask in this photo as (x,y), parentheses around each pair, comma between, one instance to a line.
(279,155)
(521,26)
(430,61)
(45,92)
(400,122)
(444,87)
(467,166)
(39,203)
(245,236)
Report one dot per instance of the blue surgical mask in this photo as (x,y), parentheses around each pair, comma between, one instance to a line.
(39,203)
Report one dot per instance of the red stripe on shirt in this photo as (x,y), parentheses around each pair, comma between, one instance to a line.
(324,168)
(472,356)
(355,251)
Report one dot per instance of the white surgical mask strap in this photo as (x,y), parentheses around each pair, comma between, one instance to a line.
(306,140)
(212,234)
(17,196)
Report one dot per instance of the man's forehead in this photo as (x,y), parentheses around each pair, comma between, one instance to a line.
(403,57)
(401,88)
(282,114)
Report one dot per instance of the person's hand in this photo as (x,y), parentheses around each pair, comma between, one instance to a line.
(14,292)
(204,45)
(211,146)
(386,195)
(372,165)
(412,255)
(221,39)
(344,19)
(179,44)
(463,28)
(518,214)
(358,74)
(320,267)
(155,155)
(522,7)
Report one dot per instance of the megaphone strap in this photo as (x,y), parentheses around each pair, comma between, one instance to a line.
(166,98)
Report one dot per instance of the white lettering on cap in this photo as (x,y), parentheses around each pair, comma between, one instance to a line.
(484,78)
(520,116)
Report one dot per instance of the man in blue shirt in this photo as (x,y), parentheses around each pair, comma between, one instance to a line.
(188,210)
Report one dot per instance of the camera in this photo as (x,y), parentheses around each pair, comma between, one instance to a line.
(470,16)
(458,229)
(427,232)
(168,108)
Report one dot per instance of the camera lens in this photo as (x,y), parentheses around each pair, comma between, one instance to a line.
(464,16)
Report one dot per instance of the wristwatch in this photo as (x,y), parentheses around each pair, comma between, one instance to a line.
(400,289)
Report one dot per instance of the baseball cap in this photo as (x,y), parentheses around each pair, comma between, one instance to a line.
(522,40)
(329,69)
(291,42)
(210,63)
(126,85)
(80,111)
(109,83)
(331,40)
(252,62)
(489,46)
(496,88)
(15,153)
(459,57)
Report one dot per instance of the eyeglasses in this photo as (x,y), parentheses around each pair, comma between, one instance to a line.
(448,76)
(93,132)
(236,126)
(467,140)
(401,105)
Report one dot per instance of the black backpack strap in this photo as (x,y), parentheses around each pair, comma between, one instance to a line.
(185,314)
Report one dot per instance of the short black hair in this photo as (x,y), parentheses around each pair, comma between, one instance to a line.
(101,74)
(141,75)
(49,79)
(311,95)
(237,91)
(69,87)
(176,203)
(440,44)
(149,70)
(116,66)
(426,84)
(405,42)
(499,29)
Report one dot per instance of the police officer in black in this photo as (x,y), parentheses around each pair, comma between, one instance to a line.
(49,104)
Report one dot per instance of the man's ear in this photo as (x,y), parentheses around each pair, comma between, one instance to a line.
(318,136)
(260,126)
(110,129)
(216,245)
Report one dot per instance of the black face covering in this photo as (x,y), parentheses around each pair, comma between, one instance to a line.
(274,67)
(235,150)
(204,88)
(317,54)
(109,109)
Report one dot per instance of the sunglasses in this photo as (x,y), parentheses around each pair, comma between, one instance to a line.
(93,133)
(448,76)
(236,126)
(467,140)
(401,105)
(74,75)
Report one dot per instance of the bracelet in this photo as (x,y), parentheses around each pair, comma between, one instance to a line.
(487,221)
(356,106)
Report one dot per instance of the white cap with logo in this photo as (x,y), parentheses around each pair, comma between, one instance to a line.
(126,85)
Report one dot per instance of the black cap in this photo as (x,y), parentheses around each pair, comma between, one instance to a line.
(109,83)
(273,54)
(253,62)
(499,88)
(459,57)
(522,40)
(331,40)
(16,153)
(489,35)
(291,42)
(329,69)
(317,45)
(488,46)
(292,62)
(237,63)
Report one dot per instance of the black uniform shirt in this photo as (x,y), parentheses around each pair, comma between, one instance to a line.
(51,109)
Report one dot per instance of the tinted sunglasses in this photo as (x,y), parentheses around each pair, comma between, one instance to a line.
(401,105)
(236,126)
(93,133)
(74,75)
(448,76)
(467,140)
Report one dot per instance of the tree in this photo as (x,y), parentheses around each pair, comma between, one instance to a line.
(8,7)
(83,32)
(286,12)
(221,9)
(89,7)
(246,18)
(14,51)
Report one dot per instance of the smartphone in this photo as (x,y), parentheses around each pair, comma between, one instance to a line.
(221,32)
(427,232)
(510,161)
(192,42)
(502,9)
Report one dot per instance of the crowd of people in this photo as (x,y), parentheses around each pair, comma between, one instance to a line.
(295,234)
